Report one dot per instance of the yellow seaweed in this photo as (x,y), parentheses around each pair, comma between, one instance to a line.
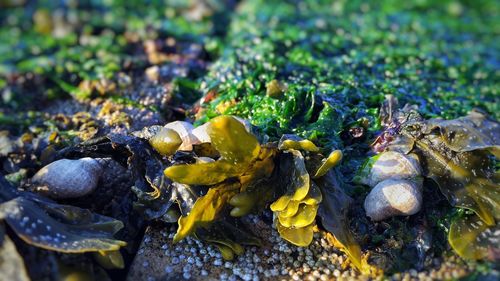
(205,210)
(207,173)
(166,141)
(305,215)
(301,237)
(331,161)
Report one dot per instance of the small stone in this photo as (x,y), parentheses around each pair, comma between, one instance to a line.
(153,73)
(394,198)
(67,178)
(391,165)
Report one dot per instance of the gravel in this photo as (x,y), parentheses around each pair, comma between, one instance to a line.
(275,260)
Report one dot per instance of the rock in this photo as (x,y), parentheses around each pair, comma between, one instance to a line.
(394,197)
(67,178)
(391,165)
(185,131)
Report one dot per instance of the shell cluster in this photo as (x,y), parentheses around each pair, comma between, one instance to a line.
(396,184)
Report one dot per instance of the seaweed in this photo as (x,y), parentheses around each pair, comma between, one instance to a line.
(63,228)
(334,212)
(249,176)
(241,162)
(456,155)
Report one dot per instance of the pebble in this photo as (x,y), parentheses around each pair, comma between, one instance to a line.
(287,262)
(394,197)
(67,178)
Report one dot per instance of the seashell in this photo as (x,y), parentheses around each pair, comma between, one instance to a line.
(394,197)
(67,178)
(201,132)
(184,129)
(391,165)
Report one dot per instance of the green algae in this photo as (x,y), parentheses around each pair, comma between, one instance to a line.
(351,55)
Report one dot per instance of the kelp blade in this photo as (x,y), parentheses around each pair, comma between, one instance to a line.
(205,209)
(36,227)
(232,140)
(472,239)
(333,212)
(202,173)
(301,237)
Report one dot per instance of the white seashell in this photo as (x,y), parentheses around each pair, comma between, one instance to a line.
(185,131)
(201,133)
(67,178)
(392,165)
(394,197)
